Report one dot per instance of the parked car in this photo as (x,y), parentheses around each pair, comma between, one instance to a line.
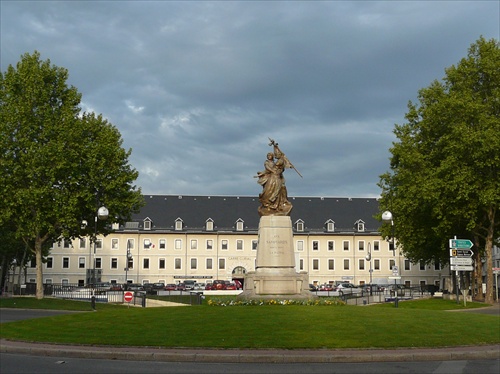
(170,287)
(326,287)
(116,287)
(347,288)
(312,287)
(158,286)
(231,286)
(218,285)
(199,286)
(180,287)
(134,287)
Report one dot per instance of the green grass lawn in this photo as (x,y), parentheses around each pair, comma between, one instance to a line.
(423,323)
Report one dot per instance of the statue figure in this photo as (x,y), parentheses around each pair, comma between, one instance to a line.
(274,196)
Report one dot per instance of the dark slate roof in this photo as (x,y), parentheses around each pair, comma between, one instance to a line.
(164,210)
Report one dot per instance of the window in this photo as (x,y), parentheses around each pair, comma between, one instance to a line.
(392,263)
(64,282)
(83,243)
(114,243)
(239,226)
(301,264)
(361,245)
(300,226)
(300,245)
(437,266)
(209,264)
(98,243)
(130,263)
(130,243)
(178,244)
(33,263)
(161,263)
(163,244)
(361,226)
(407,264)
(147,224)
(114,263)
(376,264)
(194,264)
(222,263)
(148,244)
(254,245)
(98,263)
(315,264)
(315,245)
(67,243)
(330,227)
(50,262)
(361,264)
(224,244)
(422,266)
(239,245)
(209,225)
(331,245)
(331,264)
(345,244)
(178,224)
(194,244)
(346,264)
(178,263)
(376,245)
(210,244)
(81,262)
(65,262)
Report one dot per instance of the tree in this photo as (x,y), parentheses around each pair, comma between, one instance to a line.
(57,164)
(445,166)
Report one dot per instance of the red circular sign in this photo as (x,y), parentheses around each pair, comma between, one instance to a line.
(128,296)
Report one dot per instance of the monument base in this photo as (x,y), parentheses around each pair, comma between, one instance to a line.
(264,285)
(275,276)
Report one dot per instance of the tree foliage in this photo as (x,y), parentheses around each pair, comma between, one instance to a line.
(445,165)
(57,164)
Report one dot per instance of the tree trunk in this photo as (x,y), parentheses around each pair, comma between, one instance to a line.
(39,273)
(478,273)
(488,253)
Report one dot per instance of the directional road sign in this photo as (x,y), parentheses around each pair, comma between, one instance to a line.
(461,261)
(461,253)
(461,268)
(460,243)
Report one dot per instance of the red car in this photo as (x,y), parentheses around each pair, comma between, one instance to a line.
(170,287)
(231,286)
(180,287)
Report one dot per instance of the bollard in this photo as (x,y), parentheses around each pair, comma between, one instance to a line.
(92,302)
(144,300)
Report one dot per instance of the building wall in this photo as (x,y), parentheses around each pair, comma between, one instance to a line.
(173,256)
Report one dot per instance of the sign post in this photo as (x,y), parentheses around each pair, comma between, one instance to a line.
(128,296)
(460,259)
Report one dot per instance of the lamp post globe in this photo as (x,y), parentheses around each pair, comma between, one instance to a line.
(103,213)
(387,216)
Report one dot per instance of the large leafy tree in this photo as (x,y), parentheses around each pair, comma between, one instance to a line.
(57,164)
(445,165)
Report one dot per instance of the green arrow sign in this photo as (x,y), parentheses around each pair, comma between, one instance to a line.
(460,243)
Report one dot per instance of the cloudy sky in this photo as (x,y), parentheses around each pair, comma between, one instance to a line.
(197,87)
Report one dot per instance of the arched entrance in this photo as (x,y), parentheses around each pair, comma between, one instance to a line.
(238,275)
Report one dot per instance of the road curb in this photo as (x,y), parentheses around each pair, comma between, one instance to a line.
(255,356)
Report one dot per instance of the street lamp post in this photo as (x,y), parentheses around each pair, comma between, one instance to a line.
(387,217)
(102,214)
(369,259)
(129,257)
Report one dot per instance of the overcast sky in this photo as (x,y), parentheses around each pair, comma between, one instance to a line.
(197,87)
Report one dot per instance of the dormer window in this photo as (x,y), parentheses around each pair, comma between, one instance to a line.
(330,226)
(299,225)
(179,224)
(209,225)
(360,226)
(147,223)
(239,224)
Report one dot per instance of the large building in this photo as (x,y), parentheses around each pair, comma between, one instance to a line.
(204,238)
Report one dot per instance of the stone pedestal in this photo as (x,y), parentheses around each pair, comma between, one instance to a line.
(275,276)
